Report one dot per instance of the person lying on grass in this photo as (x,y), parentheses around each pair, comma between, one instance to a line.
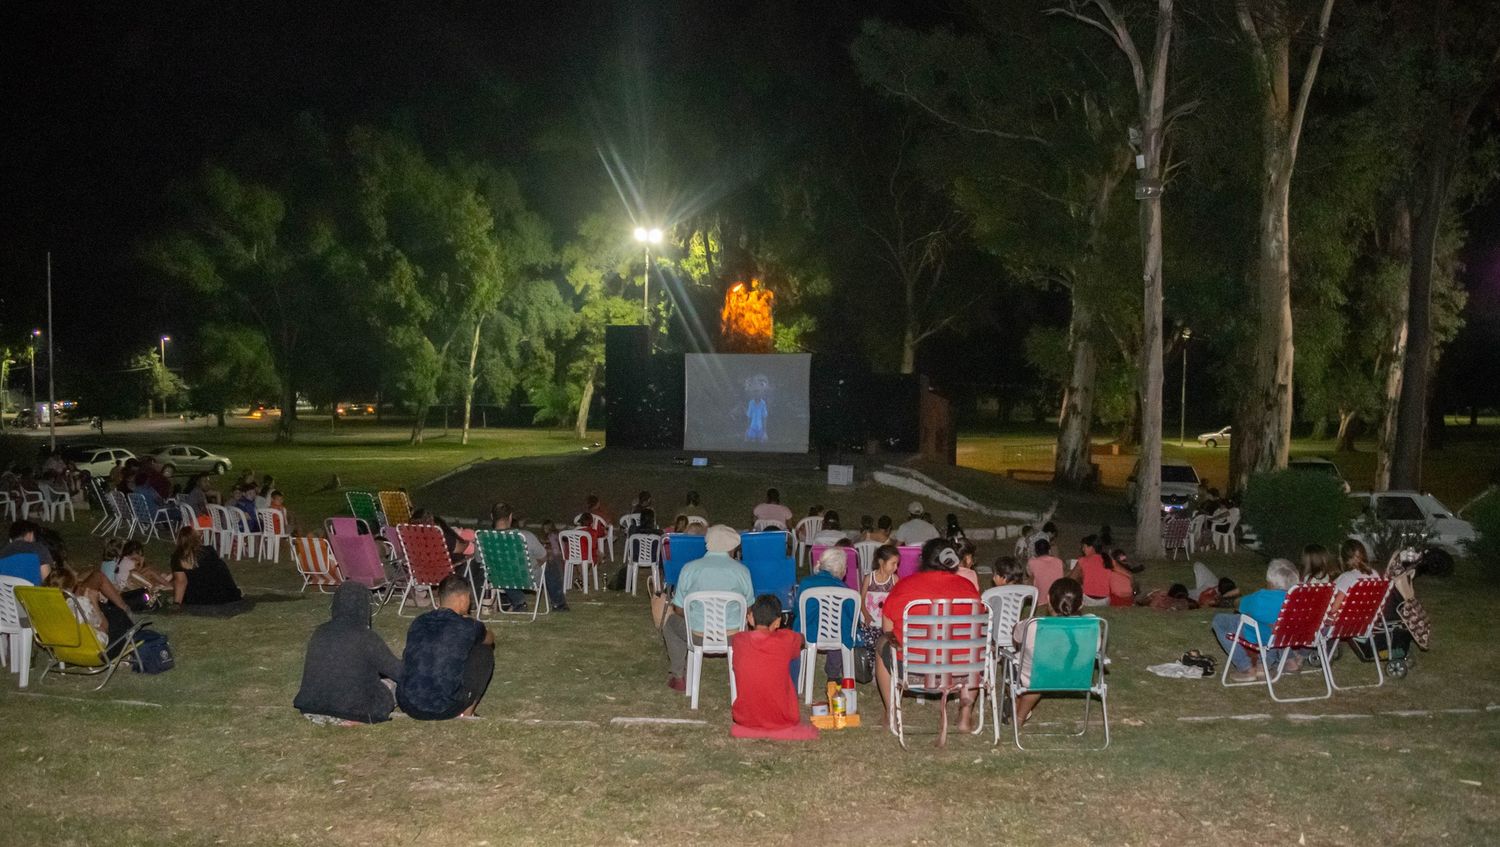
(765,705)
(1265,607)
(348,665)
(449,658)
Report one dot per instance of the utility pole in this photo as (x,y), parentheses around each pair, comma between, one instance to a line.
(51,369)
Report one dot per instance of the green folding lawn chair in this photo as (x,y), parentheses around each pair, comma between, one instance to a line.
(362,505)
(1061,656)
(502,552)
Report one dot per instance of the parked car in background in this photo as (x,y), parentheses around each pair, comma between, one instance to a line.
(96,460)
(1416,513)
(344,410)
(1316,464)
(1179,484)
(1215,438)
(183,458)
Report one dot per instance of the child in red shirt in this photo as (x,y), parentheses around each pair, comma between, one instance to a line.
(765,704)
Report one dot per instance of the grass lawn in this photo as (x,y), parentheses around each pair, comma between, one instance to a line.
(212,752)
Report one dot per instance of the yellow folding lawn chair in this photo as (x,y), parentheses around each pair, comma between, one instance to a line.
(72,646)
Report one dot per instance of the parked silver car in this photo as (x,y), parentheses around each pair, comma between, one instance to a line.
(183,458)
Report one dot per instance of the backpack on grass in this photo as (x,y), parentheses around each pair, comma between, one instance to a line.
(154,653)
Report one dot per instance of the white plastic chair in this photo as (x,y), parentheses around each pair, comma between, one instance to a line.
(242,541)
(806,529)
(223,529)
(1195,531)
(34,500)
(15,653)
(1007,605)
(56,503)
(866,551)
(606,545)
(1224,540)
(642,551)
(829,634)
(273,530)
(719,610)
(577,550)
(763,524)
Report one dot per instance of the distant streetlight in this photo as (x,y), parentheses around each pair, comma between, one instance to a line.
(164,340)
(1186,334)
(35,334)
(647,237)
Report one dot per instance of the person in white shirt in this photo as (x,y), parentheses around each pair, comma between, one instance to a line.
(917,530)
(831,533)
(772,510)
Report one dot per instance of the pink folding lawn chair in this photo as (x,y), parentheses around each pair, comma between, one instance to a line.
(911,561)
(358,554)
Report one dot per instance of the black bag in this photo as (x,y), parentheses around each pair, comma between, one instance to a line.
(153,653)
(864,665)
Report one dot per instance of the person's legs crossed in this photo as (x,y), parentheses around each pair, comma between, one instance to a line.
(1224,625)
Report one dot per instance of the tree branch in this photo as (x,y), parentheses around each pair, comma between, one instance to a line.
(1294,133)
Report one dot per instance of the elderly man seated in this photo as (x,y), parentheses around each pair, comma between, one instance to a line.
(716,571)
(1265,607)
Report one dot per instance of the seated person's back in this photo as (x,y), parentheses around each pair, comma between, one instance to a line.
(766,704)
(346,659)
(448,659)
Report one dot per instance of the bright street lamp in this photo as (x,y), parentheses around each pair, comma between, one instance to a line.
(164,340)
(647,237)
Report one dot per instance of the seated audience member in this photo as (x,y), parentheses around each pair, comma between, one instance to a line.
(125,567)
(1122,559)
(877,586)
(503,517)
(195,496)
(1316,565)
(110,623)
(882,531)
(1044,569)
(277,503)
(831,533)
(716,571)
(345,672)
(936,580)
(244,500)
(692,508)
(1092,573)
(1121,585)
(647,524)
(1173,598)
(917,530)
(866,527)
(827,572)
(642,501)
(1356,564)
(966,552)
(1265,607)
(1023,543)
(772,510)
(1106,538)
(953,531)
(1065,599)
(23,539)
(766,705)
(449,658)
(681,524)
(150,476)
(1008,571)
(200,579)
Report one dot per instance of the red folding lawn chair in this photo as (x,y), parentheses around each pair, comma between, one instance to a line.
(1298,627)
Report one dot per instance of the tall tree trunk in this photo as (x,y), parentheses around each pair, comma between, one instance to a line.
(1263,428)
(909,330)
(1344,441)
(1390,403)
(1075,424)
(419,426)
(585,400)
(1411,413)
(470,379)
(287,423)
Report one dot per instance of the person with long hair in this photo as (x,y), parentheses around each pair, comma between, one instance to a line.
(199,576)
(1065,599)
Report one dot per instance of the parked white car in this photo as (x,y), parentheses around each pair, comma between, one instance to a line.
(1215,438)
(97,461)
(1416,512)
(182,459)
(1315,464)
(1179,484)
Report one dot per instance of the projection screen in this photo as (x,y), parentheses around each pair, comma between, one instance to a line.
(746,402)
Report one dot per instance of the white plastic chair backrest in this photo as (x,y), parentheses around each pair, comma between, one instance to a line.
(272,521)
(238,521)
(629,522)
(577,545)
(866,550)
(1234,518)
(597,522)
(643,550)
(830,602)
(1007,604)
(719,608)
(10,610)
(220,515)
(764,524)
(188,516)
(1196,525)
(807,528)
(697,520)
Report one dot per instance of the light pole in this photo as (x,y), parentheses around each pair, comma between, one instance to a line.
(647,237)
(35,334)
(1187,335)
(164,340)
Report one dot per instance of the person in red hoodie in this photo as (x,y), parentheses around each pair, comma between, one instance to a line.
(765,704)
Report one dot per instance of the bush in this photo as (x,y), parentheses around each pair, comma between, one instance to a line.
(1485,516)
(1291,509)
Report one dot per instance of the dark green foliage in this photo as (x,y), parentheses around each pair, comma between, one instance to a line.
(1290,509)
(1485,515)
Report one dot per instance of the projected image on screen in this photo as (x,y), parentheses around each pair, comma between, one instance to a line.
(740,402)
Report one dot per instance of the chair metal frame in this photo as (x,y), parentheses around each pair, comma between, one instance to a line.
(84,638)
(1360,616)
(491,539)
(316,563)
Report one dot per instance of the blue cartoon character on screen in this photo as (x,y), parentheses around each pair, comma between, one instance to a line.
(757,389)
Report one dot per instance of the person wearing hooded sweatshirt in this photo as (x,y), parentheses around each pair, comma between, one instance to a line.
(347,664)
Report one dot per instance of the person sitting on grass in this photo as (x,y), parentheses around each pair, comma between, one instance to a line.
(125,567)
(1044,569)
(349,672)
(828,572)
(937,580)
(1065,598)
(766,701)
(1264,607)
(449,658)
(717,570)
(201,581)
(1121,584)
(23,539)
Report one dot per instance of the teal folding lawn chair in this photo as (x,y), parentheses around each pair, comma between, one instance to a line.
(502,552)
(1061,656)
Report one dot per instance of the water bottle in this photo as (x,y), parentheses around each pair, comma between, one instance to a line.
(850,697)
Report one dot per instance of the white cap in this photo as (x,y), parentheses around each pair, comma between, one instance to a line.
(721,538)
(914,508)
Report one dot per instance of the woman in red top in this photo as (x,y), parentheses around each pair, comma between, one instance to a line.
(938,579)
(1092,572)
